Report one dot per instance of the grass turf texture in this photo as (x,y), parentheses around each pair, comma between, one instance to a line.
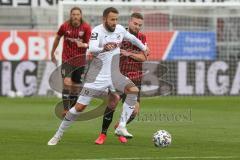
(201,127)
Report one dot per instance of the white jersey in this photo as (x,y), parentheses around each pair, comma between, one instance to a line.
(100,36)
(103,73)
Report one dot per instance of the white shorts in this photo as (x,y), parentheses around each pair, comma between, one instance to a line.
(98,86)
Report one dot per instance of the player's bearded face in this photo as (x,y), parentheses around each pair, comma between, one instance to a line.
(110,21)
(135,25)
(75,17)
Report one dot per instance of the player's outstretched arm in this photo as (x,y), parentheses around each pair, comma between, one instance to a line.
(55,45)
(134,40)
(140,57)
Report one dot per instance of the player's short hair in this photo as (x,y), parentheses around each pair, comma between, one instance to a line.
(137,15)
(108,10)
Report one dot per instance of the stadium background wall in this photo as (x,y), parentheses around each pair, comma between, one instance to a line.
(200,78)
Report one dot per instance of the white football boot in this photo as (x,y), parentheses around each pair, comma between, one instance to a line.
(54,141)
(122,131)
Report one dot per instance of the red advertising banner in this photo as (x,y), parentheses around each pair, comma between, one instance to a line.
(26,45)
(159,44)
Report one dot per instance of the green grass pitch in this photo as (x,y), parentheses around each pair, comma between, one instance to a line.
(201,128)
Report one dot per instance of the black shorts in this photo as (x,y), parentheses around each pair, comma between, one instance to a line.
(123,96)
(73,72)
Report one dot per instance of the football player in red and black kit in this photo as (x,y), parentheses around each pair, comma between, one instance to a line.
(131,66)
(76,33)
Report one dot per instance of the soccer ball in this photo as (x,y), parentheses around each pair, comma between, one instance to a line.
(162,139)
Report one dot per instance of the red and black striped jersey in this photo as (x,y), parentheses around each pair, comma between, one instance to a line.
(128,66)
(71,53)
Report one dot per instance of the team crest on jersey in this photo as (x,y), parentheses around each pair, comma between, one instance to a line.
(81,33)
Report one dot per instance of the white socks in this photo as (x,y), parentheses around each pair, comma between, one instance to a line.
(126,113)
(70,117)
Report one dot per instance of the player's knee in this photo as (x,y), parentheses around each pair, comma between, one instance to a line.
(132,90)
(112,106)
(67,81)
(131,99)
(79,107)
(113,101)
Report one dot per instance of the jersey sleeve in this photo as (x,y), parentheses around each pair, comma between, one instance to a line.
(61,30)
(134,40)
(87,33)
(94,42)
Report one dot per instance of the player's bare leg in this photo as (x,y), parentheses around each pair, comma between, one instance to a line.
(107,118)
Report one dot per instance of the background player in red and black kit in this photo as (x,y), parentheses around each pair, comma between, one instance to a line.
(76,33)
(131,66)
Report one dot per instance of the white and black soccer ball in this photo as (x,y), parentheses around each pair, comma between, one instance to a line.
(162,138)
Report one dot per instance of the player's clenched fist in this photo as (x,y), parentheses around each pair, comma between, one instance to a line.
(110,46)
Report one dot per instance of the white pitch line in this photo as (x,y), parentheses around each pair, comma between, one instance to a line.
(155,158)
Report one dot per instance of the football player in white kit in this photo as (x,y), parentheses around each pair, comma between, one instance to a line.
(104,73)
